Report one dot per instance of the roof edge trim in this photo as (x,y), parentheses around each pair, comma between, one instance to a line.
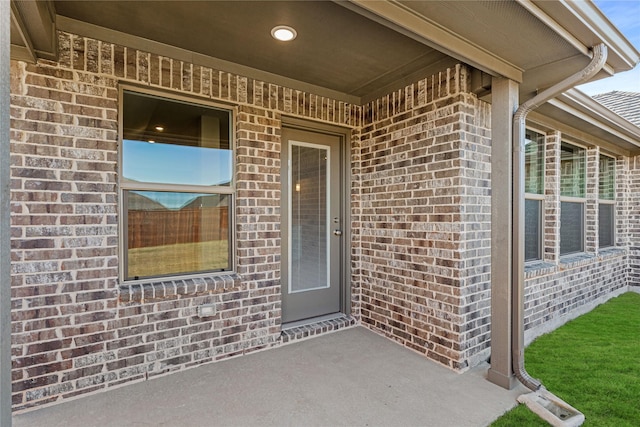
(601,113)
(593,18)
(544,123)
(583,107)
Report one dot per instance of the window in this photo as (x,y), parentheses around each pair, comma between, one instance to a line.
(606,205)
(534,195)
(177,188)
(572,198)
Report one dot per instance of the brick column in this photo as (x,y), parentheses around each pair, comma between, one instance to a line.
(551,236)
(258,203)
(634,221)
(591,205)
(355,249)
(624,201)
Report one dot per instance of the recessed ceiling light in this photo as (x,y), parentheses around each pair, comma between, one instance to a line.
(159,128)
(283,33)
(151,141)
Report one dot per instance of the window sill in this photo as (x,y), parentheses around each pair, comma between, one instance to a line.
(572,260)
(537,268)
(177,288)
(611,251)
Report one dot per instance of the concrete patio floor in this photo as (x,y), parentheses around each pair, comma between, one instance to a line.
(352,377)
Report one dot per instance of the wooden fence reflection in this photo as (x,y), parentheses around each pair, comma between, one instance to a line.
(169,227)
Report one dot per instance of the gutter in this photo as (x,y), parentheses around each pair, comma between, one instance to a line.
(582,106)
(598,61)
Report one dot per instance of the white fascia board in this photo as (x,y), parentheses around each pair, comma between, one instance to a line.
(586,108)
(586,25)
(598,110)
(597,22)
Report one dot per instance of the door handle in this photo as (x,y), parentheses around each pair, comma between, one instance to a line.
(337,232)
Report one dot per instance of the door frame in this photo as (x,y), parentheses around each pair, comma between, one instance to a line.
(344,134)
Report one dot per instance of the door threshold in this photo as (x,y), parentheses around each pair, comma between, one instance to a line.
(303,322)
(307,328)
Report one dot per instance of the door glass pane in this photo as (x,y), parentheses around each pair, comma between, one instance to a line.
(308,218)
(173,233)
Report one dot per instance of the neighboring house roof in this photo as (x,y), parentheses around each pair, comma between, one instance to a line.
(625,104)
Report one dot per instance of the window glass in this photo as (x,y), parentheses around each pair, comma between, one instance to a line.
(172,142)
(572,171)
(176,233)
(533,184)
(606,184)
(534,163)
(605,224)
(607,195)
(571,227)
(176,176)
(175,164)
(532,230)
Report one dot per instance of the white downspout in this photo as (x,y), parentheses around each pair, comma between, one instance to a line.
(598,61)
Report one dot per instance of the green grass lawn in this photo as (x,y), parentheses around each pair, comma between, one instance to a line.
(178,258)
(592,363)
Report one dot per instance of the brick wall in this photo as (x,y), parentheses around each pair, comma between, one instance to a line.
(551,209)
(555,294)
(626,195)
(591,243)
(76,329)
(633,227)
(425,218)
(561,288)
(420,225)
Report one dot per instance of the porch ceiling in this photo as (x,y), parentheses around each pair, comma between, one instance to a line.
(353,50)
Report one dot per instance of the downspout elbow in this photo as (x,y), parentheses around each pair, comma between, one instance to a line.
(598,60)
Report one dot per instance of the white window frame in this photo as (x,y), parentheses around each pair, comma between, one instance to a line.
(125,185)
